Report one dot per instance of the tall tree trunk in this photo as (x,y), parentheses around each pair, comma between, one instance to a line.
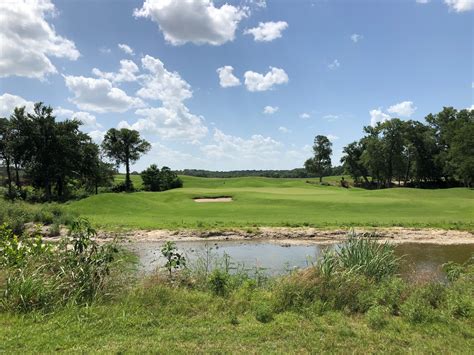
(9,176)
(407,172)
(47,189)
(128,182)
(60,184)
(17,175)
(320,178)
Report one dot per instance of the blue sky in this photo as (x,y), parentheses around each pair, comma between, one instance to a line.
(289,70)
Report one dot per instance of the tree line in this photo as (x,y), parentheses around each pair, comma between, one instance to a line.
(55,157)
(293,173)
(57,160)
(436,153)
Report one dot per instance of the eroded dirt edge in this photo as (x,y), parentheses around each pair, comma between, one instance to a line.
(297,235)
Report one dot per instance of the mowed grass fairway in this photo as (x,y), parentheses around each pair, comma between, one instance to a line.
(278,202)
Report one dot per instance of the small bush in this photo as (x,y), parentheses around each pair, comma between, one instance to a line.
(416,309)
(219,282)
(460,305)
(54,230)
(16,250)
(263,313)
(391,293)
(122,187)
(377,317)
(44,216)
(78,271)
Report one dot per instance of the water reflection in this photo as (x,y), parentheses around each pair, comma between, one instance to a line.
(419,260)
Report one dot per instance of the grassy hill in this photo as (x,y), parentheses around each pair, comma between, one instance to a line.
(278,202)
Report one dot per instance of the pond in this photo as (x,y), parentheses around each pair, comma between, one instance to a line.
(275,258)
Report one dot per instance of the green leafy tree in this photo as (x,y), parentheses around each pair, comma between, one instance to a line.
(151,178)
(94,171)
(461,151)
(169,179)
(352,161)
(321,161)
(125,147)
(156,180)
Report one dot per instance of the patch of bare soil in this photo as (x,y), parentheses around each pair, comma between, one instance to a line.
(302,235)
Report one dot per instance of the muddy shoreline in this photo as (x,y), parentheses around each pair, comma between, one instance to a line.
(395,235)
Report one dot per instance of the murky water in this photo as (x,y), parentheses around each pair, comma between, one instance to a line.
(419,260)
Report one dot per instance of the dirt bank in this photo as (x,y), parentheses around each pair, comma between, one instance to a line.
(300,235)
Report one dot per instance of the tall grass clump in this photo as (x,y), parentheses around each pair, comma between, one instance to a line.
(361,254)
(352,277)
(40,276)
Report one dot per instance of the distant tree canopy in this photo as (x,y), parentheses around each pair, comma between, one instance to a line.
(125,147)
(54,155)
(321,161)
(294,173)
(156,180)
(438,153)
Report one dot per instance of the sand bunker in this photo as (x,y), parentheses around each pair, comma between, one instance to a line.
(213,199)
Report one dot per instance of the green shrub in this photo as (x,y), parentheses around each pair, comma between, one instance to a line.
(391,293)
(434,293)
(416,309)
(174,259)
(340,291)
(44,216)
(78,271)
(377,317)
(15,250)
(54,230)
(263,313)
(219,282)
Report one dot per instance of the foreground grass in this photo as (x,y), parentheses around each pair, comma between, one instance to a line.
(351,300)
(279,202)
(176,320)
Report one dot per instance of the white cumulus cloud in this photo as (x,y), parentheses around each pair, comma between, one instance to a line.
(27,40)
(9,102)
(402,109)
(127,72)
(88,120)
(259,82)
(99,95)
(460,5)
(126,48)
(226,77)
(270,110)
(267,31)
(169,123)
(231,147)
(161,84)
(172,120)
(377,115)
(305,115)
(284,129)
(195,21)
